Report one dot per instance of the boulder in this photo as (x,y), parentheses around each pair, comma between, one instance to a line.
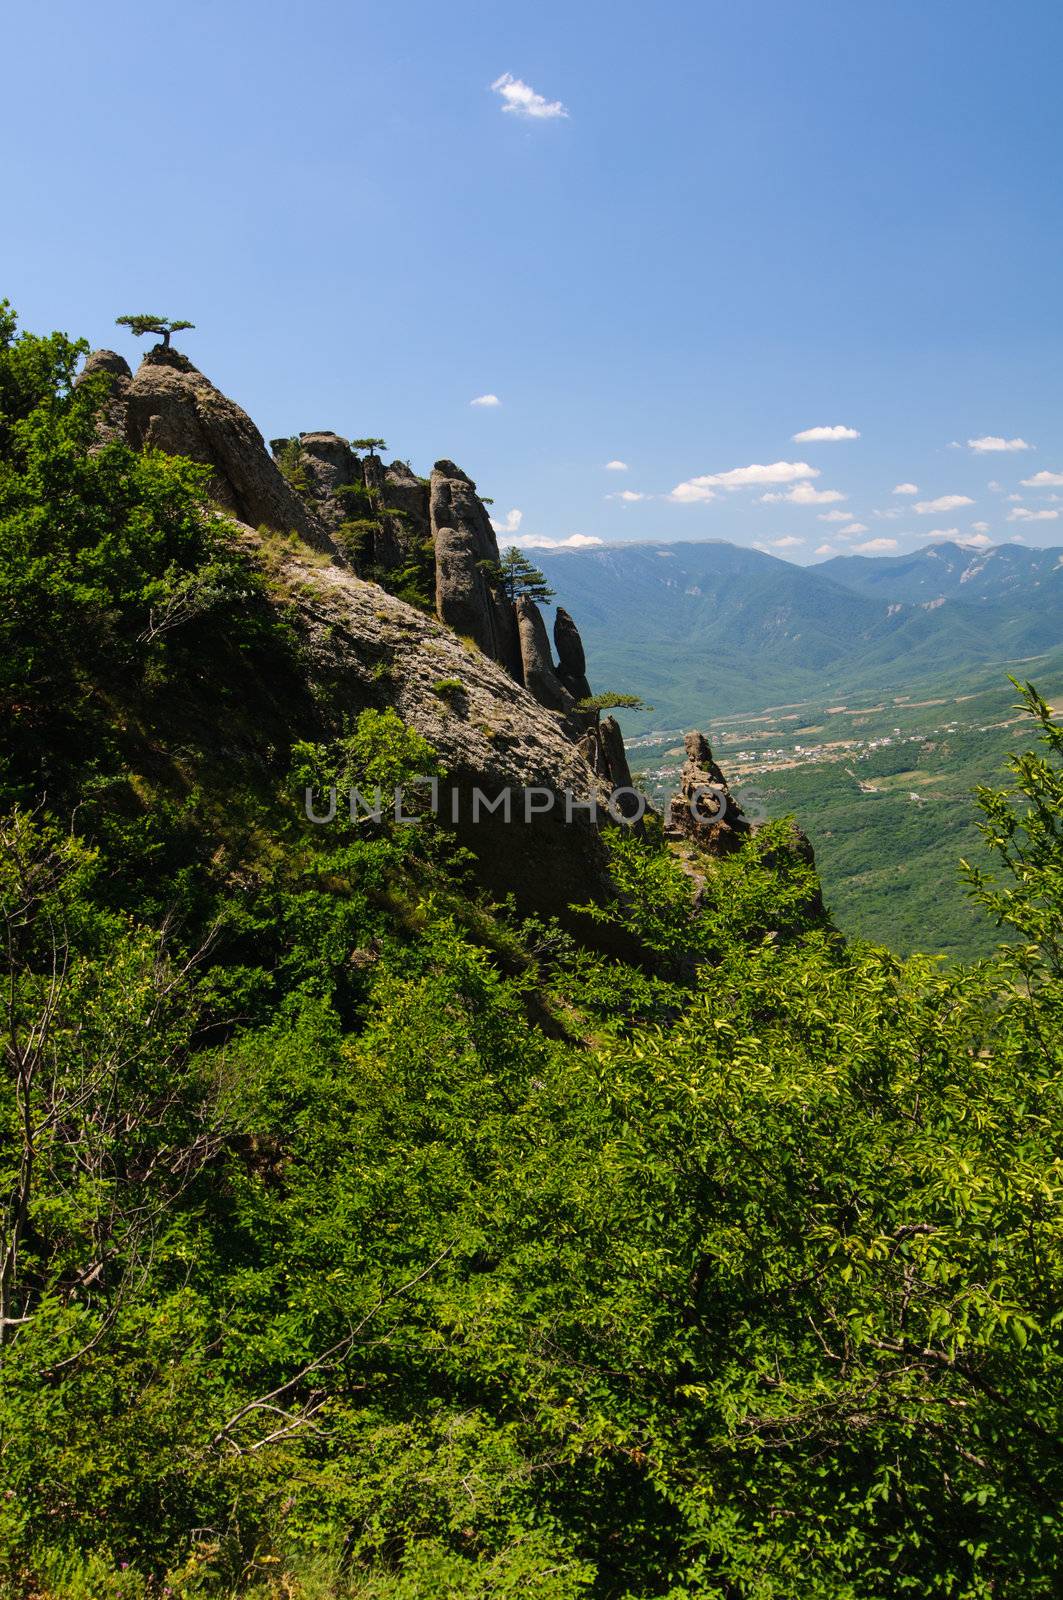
(173,407)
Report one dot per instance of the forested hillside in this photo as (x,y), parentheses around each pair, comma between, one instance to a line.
(373,1230)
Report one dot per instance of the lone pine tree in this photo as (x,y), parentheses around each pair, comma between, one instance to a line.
(142,324)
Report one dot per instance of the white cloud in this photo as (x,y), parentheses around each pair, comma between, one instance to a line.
(803,494)
(943,533)
(1018,497)
(1024,514)
(825,435)
(575,541)
(522,100)
(616,466)
(997,488)
(993,441)
(825,550)
(978,540)
(627,495)
(787,542)
(705,486)
(1043,480)
(834,516)
(852,529)
(512,522)
(980,527)
(906,488)
(486,400)
(944,502)
(875,547)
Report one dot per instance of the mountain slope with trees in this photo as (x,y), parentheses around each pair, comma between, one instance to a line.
(369,1234)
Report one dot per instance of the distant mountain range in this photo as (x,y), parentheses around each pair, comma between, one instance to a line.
(715,628)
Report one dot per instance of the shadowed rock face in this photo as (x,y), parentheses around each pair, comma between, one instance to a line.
(466,598)
(328,464)
(171,406)
(693,814)
(571,658)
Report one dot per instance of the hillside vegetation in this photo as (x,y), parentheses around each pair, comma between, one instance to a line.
(365,1236)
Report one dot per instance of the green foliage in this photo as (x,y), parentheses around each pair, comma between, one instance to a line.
(289,458)
(361,1239)
(447,688)
(164,326)
(517,576)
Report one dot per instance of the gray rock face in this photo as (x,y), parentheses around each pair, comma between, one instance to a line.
(111,428)
(490,737)
(715,822)
(466,598)
(616,762)
(571,658)
(537,664)
(173,407)
(328,464)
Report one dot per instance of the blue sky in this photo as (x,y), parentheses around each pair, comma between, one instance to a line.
(752,220)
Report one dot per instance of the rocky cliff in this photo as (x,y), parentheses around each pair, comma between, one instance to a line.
(466,666)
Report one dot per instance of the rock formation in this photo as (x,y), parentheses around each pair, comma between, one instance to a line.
(704,810)
(537,665)
(172,406)
(468,597)
(111,427)
(571,658)
(439,537)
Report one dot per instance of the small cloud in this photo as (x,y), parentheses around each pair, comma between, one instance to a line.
(889,516)
(944,502)
(627,495)
(512,522)
(1024,514)
(833,516)
(787,542)
(980,541)
(992,442)
(825,435)
(803,494)
(521,99)
(616,466)
(825,550)
(997,488)
(980,527)
(705,486)
(943,533)
(1018,497)
(486,400)
(575,541)
(876,547)
(1044,480)
(906,488)
(852,529)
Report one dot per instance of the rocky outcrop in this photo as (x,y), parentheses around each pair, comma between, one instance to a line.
(437,535)
(171,406)
(704,810)
(366,649)
(571,658)
(537,665)
(111,426)
(326,464)
(468,598)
